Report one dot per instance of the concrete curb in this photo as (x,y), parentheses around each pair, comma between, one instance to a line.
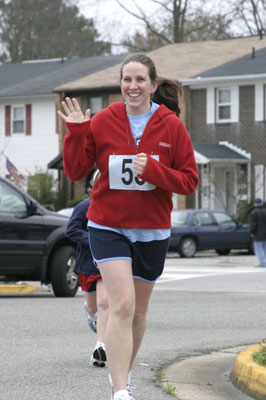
(19,288)
(248,375)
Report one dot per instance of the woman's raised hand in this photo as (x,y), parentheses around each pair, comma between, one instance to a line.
(73,111)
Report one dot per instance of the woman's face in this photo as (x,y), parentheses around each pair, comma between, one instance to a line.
(136,88)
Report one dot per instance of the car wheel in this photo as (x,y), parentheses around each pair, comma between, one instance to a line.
(64,281)
(223,252)
(187,247)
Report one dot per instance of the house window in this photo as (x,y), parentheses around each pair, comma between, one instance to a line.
(96,104)
(18,121)
(223,104)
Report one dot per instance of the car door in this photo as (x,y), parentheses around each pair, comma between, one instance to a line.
(230,235)
(205,229)
(21,236)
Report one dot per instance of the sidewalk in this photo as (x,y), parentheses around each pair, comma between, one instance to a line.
(210,376)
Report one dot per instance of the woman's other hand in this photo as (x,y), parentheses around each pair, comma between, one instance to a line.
(140,163)
(73,111)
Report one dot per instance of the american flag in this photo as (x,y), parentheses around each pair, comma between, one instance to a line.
(13,170)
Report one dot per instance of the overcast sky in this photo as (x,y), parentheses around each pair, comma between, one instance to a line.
(113,23)
(111,20)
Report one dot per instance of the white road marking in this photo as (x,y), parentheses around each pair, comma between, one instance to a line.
(175,273)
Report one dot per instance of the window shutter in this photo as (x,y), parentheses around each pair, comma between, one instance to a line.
(28,119)
(210,117)
(259,102)
(234,104)
(7,120)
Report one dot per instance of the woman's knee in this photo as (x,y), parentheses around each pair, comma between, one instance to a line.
(124,308)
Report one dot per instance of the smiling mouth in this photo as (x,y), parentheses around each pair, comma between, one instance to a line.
(134,94)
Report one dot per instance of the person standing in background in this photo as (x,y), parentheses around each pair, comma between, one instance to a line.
(257,220)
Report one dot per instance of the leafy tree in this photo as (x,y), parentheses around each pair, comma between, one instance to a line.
(36,29)
(41,188)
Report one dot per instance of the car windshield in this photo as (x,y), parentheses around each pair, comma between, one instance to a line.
(11,201)
(179,217)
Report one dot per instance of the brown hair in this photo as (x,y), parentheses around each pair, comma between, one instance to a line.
(167,92)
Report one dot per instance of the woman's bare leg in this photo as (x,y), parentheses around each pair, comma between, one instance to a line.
(143,291)
(118,281)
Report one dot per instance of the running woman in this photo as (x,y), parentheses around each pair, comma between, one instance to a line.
(144,154)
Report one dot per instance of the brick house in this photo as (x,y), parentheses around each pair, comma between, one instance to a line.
(228,104)
(179,62)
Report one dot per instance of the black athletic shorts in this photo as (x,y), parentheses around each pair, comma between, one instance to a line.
(147,257)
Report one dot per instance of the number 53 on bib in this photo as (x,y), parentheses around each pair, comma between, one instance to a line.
(122,175)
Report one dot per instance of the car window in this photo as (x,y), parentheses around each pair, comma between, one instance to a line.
(202,218)
(224,219)
(179,217)
(10,200)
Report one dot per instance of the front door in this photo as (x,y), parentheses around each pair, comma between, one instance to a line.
(224,189)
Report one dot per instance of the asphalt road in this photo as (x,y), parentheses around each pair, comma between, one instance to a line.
(199,306)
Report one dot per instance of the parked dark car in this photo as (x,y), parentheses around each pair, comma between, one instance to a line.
(196,230)
(33,246)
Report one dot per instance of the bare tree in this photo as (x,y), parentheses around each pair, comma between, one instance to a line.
(251,14)
(180,20)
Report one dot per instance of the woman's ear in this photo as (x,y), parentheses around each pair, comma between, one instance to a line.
(155,85)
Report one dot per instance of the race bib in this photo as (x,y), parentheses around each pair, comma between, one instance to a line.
(122,174)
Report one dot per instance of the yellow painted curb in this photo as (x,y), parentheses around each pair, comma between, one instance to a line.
(248,375)
(17,289)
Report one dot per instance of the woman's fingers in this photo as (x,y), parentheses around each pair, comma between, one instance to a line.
(140,163)
(87,114)
(70,104)
(65,107)
(75,105)
(62,115)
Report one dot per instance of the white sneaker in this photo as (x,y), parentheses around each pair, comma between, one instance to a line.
(123,396)
(129,390)
(92,321)
(98,358)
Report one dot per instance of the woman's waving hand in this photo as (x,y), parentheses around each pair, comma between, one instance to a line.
(73,111)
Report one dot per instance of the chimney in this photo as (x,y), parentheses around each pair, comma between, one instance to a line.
(253,53)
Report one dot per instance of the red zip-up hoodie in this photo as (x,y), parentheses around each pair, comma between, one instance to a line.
(107,134)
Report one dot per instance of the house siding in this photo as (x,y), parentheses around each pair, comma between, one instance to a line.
(30,152)
(248,134)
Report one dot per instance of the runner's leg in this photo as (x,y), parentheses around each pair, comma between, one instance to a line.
(118,281)
(143,291)
(102,307)
(90,302)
